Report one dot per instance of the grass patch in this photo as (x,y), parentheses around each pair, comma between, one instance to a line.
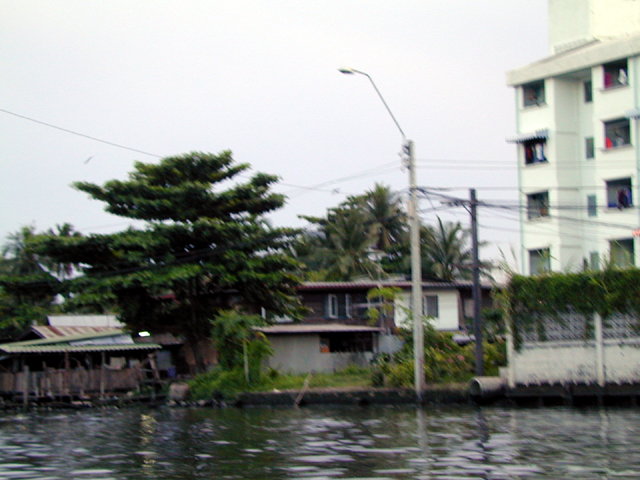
(229,383)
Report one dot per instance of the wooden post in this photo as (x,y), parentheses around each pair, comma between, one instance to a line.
(102,373)
(599,341)
(66,374)
(511,356)
(25,386)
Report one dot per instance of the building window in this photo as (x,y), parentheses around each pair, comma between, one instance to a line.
(539,261)
(622,254)
(592,206)
(533,93)
(588,91)
(619,193)
(332,306)
(538,205)
(589,148)
(534,151)
(430,306)
(617,133)
(594,260)
(348,306)
(615,74)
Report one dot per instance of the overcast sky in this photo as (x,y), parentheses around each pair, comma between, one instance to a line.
(260,78)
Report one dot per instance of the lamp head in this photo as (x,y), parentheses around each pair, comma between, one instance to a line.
(347,70)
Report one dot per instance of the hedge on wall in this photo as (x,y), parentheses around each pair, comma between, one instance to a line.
(529,300)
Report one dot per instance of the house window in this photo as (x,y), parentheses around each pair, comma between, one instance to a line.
(538,205)
(622,254)
(588,91)
(430,306)
(594,260)
(619,193)
(589,148)
(534,151)
(539,261)
(592,206)
(533,93)
(615,74)
(617,133)
(348,306)
(332,306)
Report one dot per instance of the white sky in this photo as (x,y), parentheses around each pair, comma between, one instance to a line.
(260,78)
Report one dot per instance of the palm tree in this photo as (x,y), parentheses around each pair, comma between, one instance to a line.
(389,221)
(343,244)
(350,240)
(446,251)
(21,260)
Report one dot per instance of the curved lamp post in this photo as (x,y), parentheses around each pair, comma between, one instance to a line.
(414,227)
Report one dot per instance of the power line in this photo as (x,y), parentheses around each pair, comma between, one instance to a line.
(79,134)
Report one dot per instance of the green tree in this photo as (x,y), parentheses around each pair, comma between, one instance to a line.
(27,289)
(345,242)
(446,252)
(204,248)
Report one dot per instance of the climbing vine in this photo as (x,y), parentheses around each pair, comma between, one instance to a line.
(529,302)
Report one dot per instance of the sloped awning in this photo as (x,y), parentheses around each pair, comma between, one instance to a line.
(525,137)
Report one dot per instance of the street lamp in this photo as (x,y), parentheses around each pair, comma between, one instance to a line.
(414,227)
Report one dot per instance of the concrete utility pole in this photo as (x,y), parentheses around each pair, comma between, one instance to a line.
(477,293)
(414,227)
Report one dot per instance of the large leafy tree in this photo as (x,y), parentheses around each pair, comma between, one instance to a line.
(204,248)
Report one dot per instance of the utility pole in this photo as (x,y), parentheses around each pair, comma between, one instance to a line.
(416,277)
(477,294)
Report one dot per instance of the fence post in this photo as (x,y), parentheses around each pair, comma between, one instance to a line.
(25,390)
(599,340)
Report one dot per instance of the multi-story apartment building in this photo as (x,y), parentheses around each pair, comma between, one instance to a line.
(578,138)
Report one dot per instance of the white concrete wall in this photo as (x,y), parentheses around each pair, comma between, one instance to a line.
(574,21)
(575,362)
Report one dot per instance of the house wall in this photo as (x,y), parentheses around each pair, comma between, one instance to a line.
(302,354)
(575,362)
(449,309)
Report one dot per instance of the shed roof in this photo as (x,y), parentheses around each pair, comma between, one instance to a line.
(87,342)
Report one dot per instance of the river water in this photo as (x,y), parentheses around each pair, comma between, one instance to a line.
(322,443)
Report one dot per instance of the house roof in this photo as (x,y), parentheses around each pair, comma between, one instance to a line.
(109,341)
(368,284)
(293,328)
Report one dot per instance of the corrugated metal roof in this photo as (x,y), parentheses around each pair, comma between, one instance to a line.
(84,321)
(49,332)
(87,342)
(12,348)
(319,328)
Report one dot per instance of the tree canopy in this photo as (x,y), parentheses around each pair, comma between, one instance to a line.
(204,248)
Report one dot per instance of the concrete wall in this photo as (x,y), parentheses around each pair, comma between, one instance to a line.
(302,354)
(572,22)
(575,362)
